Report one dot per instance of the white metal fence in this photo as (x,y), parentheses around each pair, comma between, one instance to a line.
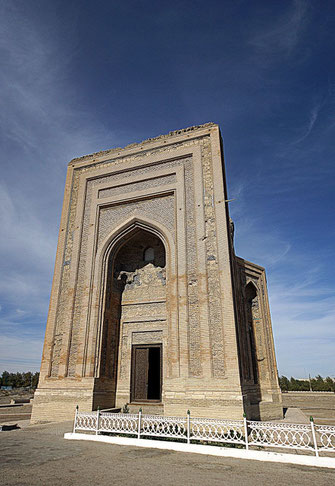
(314,438)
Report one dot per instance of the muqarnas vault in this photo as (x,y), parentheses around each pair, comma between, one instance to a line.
(150,307)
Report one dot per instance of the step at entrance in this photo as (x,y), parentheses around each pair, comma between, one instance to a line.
(147,408)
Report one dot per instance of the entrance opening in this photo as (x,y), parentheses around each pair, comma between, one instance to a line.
(135,295)
(154,374)
(146,373)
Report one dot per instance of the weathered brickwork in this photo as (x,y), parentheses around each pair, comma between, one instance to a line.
(256,349)
(162,209)
(192,278)
(214,291)
(134,186)
(147,337)
(145,257)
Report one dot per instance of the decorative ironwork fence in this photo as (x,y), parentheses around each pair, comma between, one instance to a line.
(291,436)
(157,426)
(229,431)
(314,438)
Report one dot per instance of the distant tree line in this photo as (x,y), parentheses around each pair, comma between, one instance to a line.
(314,384)
(19,380)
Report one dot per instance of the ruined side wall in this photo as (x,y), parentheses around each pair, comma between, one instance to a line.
(260,386)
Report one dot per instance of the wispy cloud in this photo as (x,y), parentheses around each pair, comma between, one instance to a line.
(42,126)
(313,116)
(304,327)
(20,354)
(302,305)
(283,35)
(303,315)
(266,248)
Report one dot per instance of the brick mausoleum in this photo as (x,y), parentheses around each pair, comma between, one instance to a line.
(150,307)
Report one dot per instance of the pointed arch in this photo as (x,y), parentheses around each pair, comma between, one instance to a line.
(108,249)
(251,291)
(251,294)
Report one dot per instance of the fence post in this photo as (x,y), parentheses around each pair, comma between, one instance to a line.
(314,436)
(139,423)
(97,422)
(75,419)
(188,426)
(245,431)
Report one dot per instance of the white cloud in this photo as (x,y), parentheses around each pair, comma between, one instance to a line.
(283,36)
(20,354)
(313,116)
(302,305)
(42,126)
(26,235)
(303,314)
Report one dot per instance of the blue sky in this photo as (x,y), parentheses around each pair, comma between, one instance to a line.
(82,76)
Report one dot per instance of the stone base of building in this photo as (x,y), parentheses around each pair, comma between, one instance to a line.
(58,403)
(59,406)
(56,400)
(263,406)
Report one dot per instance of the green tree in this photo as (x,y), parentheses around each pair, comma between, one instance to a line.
(5,378)
(293,385)
(284,383)
(17,380)
(329,382)
(317,383)
(34,381)
(27,378)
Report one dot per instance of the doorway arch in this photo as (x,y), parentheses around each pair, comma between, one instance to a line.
(134,317)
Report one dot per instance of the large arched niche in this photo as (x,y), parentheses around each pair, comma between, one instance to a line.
(252,309)
(134,294)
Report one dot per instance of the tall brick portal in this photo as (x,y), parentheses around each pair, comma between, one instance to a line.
(149,305)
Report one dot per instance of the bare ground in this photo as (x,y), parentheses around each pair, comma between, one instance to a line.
(38,455)
(9,414)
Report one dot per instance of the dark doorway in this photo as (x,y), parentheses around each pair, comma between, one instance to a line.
(252,305)
(146,372)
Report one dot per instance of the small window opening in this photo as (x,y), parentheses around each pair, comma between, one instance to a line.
(149,255)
